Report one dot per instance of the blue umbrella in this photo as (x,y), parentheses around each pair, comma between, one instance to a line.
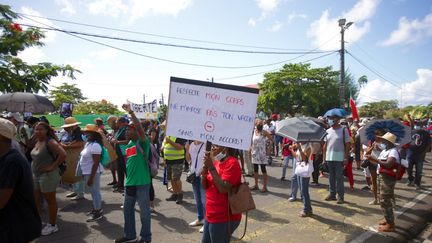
(339,112)
(402,132)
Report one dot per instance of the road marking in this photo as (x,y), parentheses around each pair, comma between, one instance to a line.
(371,230)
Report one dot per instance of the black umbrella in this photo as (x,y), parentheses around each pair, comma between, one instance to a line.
(25,102)
(300,130)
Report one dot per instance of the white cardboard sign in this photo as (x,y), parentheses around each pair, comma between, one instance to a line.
(219,113)
(145,111)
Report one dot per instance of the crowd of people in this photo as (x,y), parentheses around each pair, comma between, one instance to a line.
(33,158)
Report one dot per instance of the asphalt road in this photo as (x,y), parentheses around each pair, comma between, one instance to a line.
(275,219)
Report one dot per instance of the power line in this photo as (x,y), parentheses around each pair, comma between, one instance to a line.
(163,59)
(157,35)
(174,45)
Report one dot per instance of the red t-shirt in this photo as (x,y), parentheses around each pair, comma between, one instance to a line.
(285,151)
(217,203)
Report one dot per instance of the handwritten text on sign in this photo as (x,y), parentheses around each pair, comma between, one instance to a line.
(145,111)
(221,114)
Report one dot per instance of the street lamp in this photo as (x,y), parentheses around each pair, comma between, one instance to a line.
(344,26)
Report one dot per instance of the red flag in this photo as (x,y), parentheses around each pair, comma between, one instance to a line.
(354,111)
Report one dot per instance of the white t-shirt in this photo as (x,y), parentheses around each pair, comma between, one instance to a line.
(86,159)
(197,152)
(270,129)
(385,154)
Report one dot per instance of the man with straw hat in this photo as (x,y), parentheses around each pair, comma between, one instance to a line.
(390,171)
(72,142)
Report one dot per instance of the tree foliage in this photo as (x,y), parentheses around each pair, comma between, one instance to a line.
(377,109)
(66,93)
(96,107)
(15,74)
(300,89)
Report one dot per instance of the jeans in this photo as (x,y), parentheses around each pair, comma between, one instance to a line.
(218,232)
(285,165)
(78,188)
(294,180)
(336,178)
(304,187)
(121,170)
(142,197)
(95,190)
(199,195)
(416,161)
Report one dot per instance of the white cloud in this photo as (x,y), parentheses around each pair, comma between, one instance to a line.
(141,8)
(66,7)
(104,55)
(295,15)
(325,30)
(41,22)
(111,8)
(32,55)
(413,93)
(275,27)
(252,22)
(268,5)
(410,32)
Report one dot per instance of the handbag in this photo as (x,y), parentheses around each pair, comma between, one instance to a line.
(304,169)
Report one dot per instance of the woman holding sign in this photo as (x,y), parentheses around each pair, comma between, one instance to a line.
(259,154)
(221,171)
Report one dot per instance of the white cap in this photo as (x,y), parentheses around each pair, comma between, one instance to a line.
(7,128)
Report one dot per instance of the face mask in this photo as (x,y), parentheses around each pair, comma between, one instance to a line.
(84,138)
(220,156)
(383,146)
(330,122)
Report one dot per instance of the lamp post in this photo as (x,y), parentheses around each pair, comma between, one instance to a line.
(343,25)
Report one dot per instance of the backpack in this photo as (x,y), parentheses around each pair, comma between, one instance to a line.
(153,159)
(62,166)
(105,157)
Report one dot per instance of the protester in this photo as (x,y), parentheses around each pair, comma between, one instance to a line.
(416,155)
(336,154)
(111,121)
(270,143)
(302,154)
(99,123)
(119,141)
(47,155)
(154,142)
(220,173)
(389,161)
(276,138)
(137,181)
(287,156)
(72,140)
(174,155)
(195,156)
(317,158)
(259,155)
(295,181)
(19,221)
(248,161)
(21,134)
(91,168)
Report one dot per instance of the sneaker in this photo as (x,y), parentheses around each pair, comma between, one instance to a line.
(96,215)
(172,198)
(124,239)
(179,198)
(330,198)
(374,202)
(304,214)
(340,201)
(196,223)
(71,194)
(90,213)
(292,199)
(49,229)
(283,179)
(201,230)
(77,198)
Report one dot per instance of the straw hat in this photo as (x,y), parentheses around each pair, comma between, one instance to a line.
(90,128)
(70,122)
(7,128)
(390,137)
(111,120)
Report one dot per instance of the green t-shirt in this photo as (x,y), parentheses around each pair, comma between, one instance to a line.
(137,168)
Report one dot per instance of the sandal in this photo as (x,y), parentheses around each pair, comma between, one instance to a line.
(254,188)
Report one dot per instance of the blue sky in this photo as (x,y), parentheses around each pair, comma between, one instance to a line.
(392,37)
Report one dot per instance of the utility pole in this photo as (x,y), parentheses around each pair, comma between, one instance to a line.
(342,61)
